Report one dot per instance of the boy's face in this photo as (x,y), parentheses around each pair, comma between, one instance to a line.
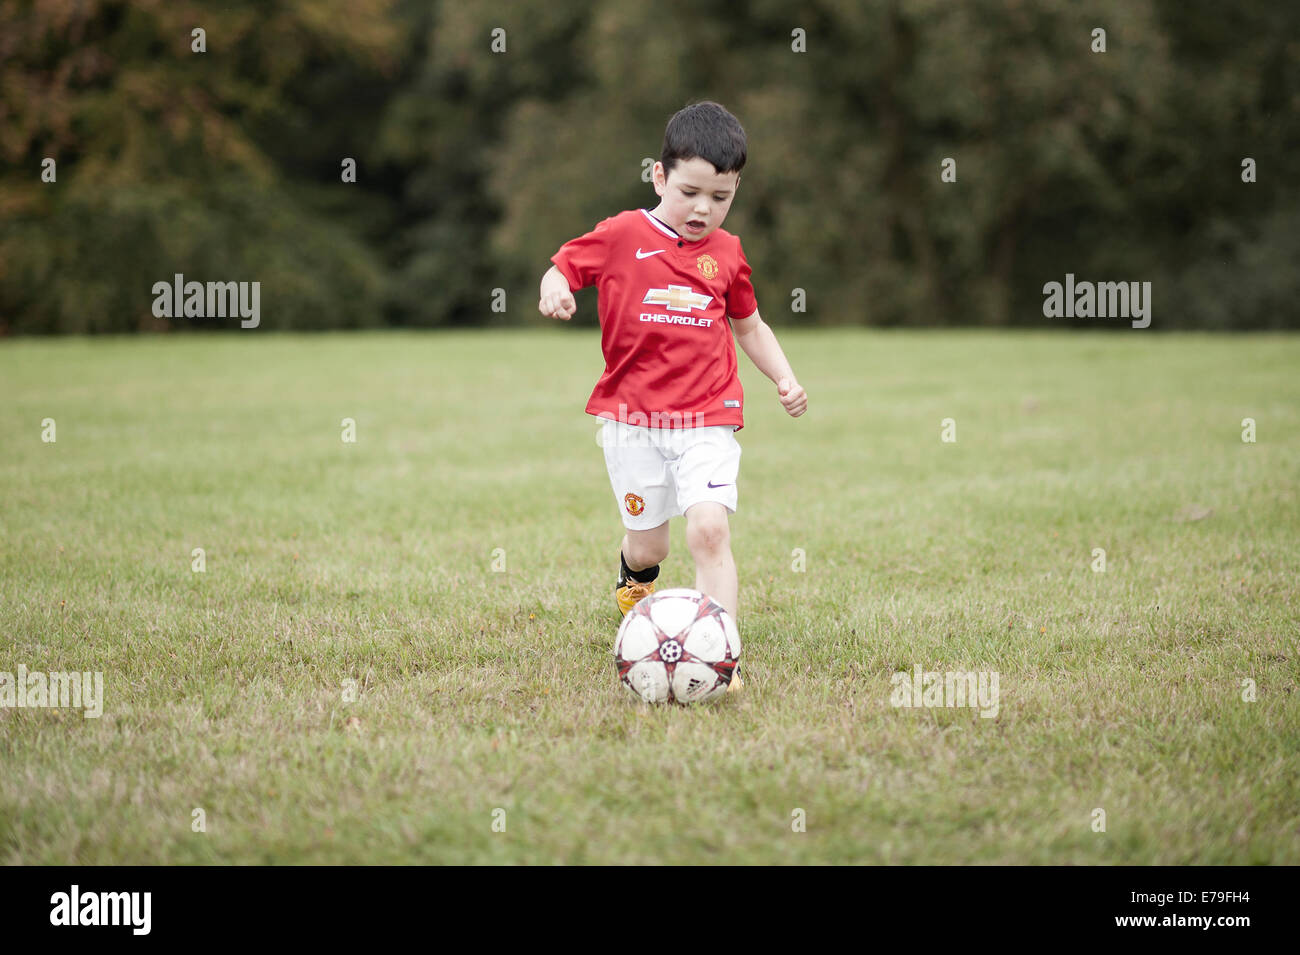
(694,198)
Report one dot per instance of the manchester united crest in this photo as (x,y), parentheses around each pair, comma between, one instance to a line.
(707,265)
(634,503)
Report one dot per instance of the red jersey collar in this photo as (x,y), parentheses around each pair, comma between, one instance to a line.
(660,226)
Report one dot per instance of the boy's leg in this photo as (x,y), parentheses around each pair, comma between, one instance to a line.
(705,476)
(641,553)
(639,478)
(708,536)
(645,549)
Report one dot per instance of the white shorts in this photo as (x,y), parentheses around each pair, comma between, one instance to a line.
(657,473)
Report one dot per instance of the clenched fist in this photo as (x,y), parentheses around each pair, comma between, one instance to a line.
(558,305)
(793,398)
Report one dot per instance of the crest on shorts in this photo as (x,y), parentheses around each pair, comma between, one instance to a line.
(707,265)
(634,503)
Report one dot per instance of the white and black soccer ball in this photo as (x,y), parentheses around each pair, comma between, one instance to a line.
(677,645)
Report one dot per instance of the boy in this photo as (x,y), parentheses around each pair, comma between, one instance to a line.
(669,280)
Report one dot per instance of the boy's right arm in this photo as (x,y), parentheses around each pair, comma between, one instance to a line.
(556,296)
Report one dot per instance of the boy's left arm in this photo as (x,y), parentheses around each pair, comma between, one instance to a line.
(758,341)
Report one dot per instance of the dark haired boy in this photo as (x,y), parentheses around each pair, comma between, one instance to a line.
(673,287)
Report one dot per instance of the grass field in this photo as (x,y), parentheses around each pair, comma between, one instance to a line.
(482,690)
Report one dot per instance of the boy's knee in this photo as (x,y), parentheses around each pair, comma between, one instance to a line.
(708,532)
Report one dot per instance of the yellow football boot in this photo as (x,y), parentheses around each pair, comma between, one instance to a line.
(736,684)
(629,592)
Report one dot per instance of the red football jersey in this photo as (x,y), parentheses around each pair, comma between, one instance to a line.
(664,305)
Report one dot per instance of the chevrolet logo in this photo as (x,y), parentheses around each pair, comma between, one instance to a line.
(678,298)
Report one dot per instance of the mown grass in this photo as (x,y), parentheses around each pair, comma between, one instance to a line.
(483,690)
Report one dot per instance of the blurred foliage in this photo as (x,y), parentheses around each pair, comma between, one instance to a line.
(209,164)
(474,166)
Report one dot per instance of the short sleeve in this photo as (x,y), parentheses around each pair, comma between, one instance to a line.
(741,301)
(581,260)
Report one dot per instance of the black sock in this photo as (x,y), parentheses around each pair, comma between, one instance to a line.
(640,576)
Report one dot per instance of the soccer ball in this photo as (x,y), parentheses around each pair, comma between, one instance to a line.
(677,645)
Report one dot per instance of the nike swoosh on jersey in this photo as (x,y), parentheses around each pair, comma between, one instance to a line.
(646,255)
(711,484)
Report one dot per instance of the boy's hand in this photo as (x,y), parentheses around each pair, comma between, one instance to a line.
(793,397)
(558,305)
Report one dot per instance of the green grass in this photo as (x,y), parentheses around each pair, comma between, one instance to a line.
(479,690)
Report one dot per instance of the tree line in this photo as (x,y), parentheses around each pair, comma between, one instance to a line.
(386,163)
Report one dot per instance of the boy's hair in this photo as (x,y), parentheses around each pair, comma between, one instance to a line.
(705,130)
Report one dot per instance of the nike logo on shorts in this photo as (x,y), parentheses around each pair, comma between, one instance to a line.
(711,484)
(646,255)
